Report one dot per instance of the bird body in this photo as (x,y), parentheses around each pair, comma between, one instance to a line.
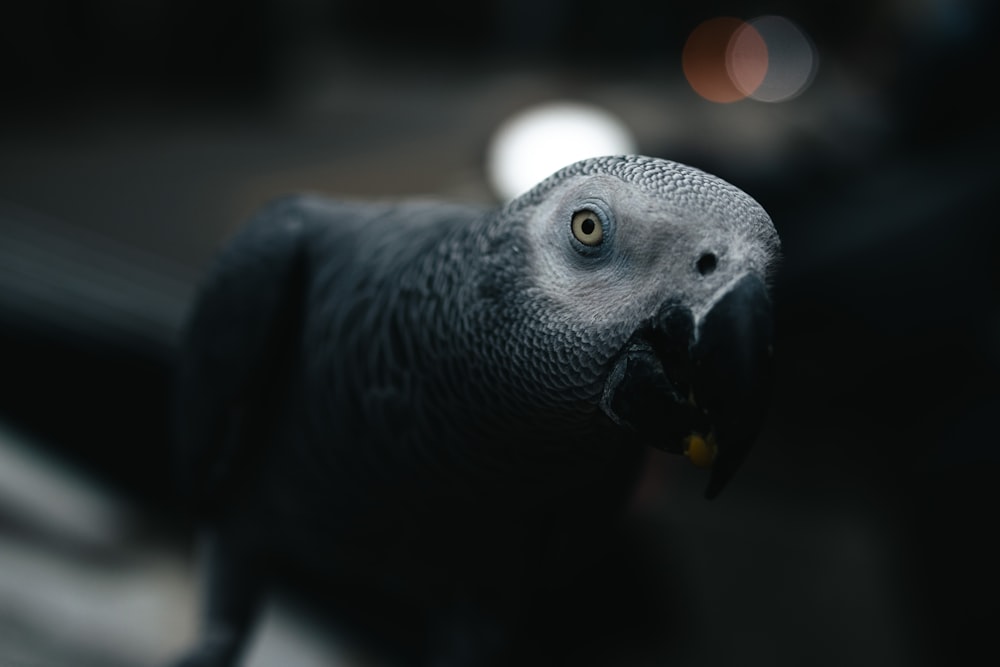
(447,404)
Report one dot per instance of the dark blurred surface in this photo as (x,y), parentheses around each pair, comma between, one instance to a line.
(135,136)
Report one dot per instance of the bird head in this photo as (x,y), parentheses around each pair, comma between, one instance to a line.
(660,271)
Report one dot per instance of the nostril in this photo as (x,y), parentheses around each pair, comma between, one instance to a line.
(707,263)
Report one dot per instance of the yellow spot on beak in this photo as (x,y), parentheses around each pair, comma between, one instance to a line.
(700,450)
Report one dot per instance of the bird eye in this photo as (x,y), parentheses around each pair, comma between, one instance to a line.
(587,227)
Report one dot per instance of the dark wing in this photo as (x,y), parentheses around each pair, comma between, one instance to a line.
(237,352)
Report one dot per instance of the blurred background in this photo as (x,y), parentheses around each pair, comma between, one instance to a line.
(136,135)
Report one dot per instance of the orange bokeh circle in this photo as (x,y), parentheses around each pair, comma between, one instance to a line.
(724,59)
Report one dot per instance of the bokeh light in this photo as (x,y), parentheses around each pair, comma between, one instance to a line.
(707,55)
(538,141)
(747,59)
(792,59)
(768,59)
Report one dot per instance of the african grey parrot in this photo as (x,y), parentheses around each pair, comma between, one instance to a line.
(433,402)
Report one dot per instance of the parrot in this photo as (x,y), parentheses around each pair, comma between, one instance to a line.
(438,407)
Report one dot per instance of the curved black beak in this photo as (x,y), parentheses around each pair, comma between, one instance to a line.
(732,373)
(699,388)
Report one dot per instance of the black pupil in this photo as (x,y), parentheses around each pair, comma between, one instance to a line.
(587,226)
(707,263)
